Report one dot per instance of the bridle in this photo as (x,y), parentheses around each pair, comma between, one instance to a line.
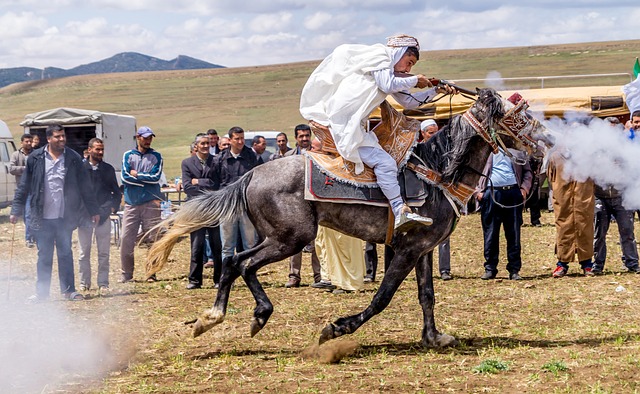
(516,123)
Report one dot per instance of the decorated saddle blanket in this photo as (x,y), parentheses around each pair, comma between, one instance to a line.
(321,187)
(396,133)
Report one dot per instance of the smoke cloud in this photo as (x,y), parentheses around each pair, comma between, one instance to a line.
(599,151)
(43,346)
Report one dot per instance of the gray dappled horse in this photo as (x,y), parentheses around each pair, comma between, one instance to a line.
(273,196)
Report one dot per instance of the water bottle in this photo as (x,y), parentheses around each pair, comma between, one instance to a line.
(165,209)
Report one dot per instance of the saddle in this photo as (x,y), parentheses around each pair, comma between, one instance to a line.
(329,177)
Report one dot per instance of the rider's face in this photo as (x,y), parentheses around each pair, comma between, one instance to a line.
(405,63)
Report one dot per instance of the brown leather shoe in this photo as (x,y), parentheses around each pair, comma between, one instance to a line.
(293,282)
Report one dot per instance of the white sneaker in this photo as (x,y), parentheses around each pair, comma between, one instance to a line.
(406,221)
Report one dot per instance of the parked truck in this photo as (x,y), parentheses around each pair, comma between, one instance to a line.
(7,181)
(81,125)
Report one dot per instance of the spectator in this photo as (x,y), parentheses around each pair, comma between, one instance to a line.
(55,179)
(371,260)
(141,173)
(343,260)
(198,174)
(231,164)
(501,193)
(259,145)
(104,186)
(573,208)
(214,149)
(302,133)
(35,142)
(608,203)
(16,168)
(283,146)
(224,143)
(428,128)
(533,199)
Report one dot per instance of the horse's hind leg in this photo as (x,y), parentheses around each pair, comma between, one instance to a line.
(400,267)
(216,314)
(270,251)
(430,335)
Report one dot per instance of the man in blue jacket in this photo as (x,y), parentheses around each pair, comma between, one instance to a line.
(55,181)
(141,172)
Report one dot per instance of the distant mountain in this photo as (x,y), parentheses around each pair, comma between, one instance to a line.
(122,62)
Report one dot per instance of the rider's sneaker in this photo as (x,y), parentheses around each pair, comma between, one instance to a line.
(406,221)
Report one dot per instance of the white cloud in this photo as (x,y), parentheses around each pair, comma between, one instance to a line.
(270,23)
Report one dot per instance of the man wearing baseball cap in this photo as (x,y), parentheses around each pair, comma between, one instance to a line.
(141,172)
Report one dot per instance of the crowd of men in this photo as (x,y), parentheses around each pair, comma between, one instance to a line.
(53,200)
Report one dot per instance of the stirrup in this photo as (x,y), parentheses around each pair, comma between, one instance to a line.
(407,221)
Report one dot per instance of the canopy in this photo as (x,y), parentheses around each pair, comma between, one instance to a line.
(63,116)
(599,101)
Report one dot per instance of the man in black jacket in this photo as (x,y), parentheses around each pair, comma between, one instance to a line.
(198,176)
(105,188)
(231,164)
(56,181)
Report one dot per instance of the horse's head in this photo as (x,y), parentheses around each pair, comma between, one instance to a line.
(506,122)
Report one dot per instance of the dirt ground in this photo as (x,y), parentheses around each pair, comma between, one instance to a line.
(574,334)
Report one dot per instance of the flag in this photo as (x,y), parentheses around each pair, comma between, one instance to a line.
(636,69)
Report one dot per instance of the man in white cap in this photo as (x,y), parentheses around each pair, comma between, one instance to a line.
(349,84)
(428,128)
(141,173)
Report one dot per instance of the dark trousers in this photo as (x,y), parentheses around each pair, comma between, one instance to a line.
(198,239)
(371,259)
(54,233)
(494,216)
(605,208)
(533,203)
(213,250)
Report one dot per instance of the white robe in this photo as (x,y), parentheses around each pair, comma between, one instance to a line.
(350,83)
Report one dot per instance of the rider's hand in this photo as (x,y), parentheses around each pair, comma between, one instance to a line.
(13,219)
(423,82)
(446,89)
(479,196)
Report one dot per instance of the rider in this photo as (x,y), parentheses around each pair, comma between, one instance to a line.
(349,84)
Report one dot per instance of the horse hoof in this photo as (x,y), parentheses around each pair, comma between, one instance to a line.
(445,340)
(327,333)
(206,322)
(256,326)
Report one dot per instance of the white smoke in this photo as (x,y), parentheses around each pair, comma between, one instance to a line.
(599,151)
(43,346)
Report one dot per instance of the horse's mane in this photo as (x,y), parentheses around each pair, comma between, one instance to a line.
(448,151)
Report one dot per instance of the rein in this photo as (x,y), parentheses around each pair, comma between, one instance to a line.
(460,193)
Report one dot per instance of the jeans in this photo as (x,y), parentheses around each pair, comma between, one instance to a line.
(54,233)
(28,235)
(230,231)
(103,244)
(199,245)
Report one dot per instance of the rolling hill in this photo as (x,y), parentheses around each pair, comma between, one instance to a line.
(122,62)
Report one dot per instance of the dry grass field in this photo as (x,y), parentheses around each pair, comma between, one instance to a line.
(540,335)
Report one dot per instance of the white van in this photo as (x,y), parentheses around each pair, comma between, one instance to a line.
(7,181)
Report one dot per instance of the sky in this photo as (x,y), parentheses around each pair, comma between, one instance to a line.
(69,33)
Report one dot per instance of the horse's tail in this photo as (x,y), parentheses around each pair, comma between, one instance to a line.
(206,210)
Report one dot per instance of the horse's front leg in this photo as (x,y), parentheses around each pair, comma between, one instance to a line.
(424,275)
(216,314)
(400,267)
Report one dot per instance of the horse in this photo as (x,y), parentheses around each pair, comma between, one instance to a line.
(275,204)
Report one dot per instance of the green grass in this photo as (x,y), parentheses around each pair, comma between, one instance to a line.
(491,366)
